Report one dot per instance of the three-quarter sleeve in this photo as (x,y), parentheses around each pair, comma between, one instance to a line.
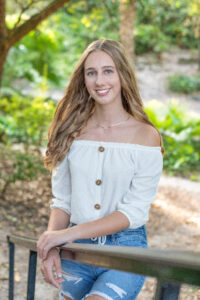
(61,186)
(143,188)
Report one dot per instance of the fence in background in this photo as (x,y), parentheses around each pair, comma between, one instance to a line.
(171,268)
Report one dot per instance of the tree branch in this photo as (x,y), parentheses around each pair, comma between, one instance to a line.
(23,10)
(3,28)
(109,11)
(19,32)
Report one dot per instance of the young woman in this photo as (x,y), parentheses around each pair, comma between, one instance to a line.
(106,158)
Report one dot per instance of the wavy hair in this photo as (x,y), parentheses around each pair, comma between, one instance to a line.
(76,107)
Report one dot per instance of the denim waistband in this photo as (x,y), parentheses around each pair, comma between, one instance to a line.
(101,239)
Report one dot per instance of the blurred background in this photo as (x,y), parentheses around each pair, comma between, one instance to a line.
(40,43)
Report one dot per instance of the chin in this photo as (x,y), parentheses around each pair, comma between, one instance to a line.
(104,101)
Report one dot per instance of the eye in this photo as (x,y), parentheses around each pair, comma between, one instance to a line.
(108,71)
(91,73)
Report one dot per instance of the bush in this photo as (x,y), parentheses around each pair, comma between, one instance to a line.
(173,20)
(181,136)
(25,120)
(184,84)
(150,38)
(16,165)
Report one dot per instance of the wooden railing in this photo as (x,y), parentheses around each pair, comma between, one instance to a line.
(170,267)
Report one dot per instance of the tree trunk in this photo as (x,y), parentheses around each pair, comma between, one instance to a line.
(127,18)
(3,32)
(3,54)
(9,37)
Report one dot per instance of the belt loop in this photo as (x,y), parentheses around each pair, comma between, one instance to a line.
(101,239)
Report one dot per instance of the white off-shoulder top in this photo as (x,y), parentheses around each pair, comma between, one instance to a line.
(97,178)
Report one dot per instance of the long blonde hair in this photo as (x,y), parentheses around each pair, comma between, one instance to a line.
(76,107)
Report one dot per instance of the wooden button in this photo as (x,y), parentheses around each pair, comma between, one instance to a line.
(101,149)
(97,206)
(98,182)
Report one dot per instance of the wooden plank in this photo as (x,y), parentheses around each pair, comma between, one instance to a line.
(167,265)
(24,241)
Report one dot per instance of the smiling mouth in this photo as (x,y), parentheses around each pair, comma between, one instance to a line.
(102,92)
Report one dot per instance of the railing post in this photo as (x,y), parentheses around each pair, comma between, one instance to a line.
(31,275)
(11,268)
(167,291)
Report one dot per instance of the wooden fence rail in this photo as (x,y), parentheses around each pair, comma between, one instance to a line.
(170,267)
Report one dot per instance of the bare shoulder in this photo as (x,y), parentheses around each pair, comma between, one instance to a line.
(151,135)
(146,135)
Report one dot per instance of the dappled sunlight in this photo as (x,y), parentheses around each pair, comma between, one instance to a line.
(177,213)
(174,218)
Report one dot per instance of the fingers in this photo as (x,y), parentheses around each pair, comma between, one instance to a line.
(57,264)
(48,275)
(44,253)
(44,244)
(51,278)
(50,239)
(40,245)
(47,269)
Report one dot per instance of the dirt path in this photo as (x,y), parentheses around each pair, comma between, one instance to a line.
(152,77)
(174,223)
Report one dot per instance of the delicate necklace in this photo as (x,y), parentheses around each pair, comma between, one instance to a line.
(112,125)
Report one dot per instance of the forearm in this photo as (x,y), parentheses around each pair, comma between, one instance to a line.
(107,225)
(58,220)
(55,236)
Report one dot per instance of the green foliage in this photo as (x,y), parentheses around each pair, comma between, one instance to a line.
(29,57)
(25,120)
(59,41)
(173,20)
(15,165)
(23,125)
(184,84)
(181,136)
(149,37)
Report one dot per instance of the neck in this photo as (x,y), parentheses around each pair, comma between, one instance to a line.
(107,117)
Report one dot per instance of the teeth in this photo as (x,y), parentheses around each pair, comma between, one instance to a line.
(102,91)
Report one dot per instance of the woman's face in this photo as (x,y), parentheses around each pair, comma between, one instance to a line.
(101,78)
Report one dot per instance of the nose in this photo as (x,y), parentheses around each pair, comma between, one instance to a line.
(99,79)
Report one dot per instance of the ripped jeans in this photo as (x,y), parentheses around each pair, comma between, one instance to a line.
(82,280)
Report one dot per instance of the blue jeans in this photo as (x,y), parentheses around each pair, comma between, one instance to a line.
(82,280)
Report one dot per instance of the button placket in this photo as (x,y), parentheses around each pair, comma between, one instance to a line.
(99,180)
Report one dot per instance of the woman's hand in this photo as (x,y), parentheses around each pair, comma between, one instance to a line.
(50,239)
(50,265)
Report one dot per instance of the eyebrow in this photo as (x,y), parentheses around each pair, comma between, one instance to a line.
(91,68)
